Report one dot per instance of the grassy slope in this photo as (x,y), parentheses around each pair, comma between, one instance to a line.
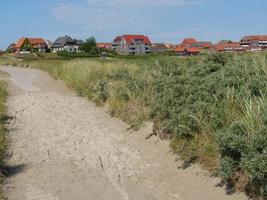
(213,107)
(3,146)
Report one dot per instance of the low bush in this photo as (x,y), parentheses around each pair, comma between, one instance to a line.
(216,110)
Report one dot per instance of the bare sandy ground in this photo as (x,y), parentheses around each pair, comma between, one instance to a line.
(63,147)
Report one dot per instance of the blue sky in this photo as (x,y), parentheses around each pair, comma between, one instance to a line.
(162,20)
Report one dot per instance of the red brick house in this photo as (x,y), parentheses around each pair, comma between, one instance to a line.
(187,51)
(132,44)
(25,44)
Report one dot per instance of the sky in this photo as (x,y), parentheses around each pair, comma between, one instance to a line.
(162,20)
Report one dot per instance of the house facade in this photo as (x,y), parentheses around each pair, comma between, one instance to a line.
(66,43)
(31,44)
(228,47)
(254,42)
(132,44)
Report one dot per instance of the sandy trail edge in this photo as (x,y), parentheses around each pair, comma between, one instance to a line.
(63,147)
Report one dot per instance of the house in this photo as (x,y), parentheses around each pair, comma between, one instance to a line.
(132,44)
(203,45)
(187,51)
(79,43)
(171,47)
(254,42)
(65,43)
(191,42)
(104,45)
(228,46)
(11,48)
(188,42)
(158,48)
(31,44)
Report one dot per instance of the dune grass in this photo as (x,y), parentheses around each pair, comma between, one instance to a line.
(3,145)
(212,107)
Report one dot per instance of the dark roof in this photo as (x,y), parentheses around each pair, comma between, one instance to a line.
(79,42)
(63,41)
(11,46)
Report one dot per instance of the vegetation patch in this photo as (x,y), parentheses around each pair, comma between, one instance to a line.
(3,145)
(212,107)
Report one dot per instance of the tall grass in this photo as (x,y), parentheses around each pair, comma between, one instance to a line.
(124,88)
(3,145)
(213,108)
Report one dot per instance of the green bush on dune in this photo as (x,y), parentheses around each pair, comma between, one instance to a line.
(212,107)
(217,108)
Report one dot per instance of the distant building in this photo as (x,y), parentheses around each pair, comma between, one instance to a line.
(254,42)
(27,44)
(104,45)
(187,51)
(49,44)
(202,45)
(132,44)
(170,46)
(159,48)
(188,42)
(228,47)
(11,48)
(65,43)
(191,42)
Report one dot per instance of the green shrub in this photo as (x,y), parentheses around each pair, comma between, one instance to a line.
(222,98)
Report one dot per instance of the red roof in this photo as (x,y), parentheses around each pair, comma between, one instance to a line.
(193,50)
(189,41)
(189,49)
(224,46)
(104,45)
(207,45)
(180,49)
(254,38)
(32,41)
(117,39)
(130,38)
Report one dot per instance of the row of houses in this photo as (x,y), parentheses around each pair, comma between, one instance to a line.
(191,46)
(141,44)
(65,43)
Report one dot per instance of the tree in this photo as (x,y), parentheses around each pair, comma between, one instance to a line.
(27,46)
(90,46)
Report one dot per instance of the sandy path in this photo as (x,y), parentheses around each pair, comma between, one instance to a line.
(65,148)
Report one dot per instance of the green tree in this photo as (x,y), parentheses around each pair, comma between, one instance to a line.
(90,46)
(27,45)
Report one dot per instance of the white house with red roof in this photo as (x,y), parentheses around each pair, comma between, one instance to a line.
(37,44)
(132,44)
(254,42)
